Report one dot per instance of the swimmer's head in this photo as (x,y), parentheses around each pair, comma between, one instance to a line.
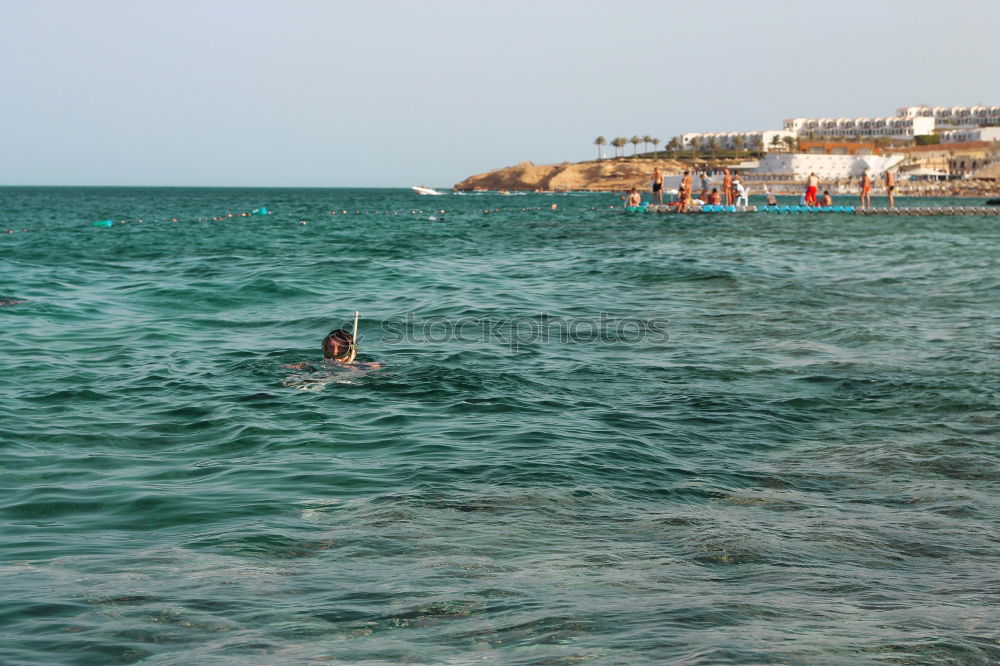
(339,346)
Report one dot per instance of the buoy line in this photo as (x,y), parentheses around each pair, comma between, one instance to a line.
(142,220)
(437,214)
(256,212)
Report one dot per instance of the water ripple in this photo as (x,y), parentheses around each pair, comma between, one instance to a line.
(801,468)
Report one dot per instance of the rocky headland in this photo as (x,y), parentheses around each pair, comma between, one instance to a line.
(603,176)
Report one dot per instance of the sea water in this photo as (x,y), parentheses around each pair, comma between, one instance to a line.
(594,438)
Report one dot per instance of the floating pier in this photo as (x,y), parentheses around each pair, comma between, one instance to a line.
(791,210)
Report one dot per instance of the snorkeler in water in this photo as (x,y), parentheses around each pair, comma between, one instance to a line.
(339,348)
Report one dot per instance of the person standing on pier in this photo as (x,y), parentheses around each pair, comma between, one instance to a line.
(866,190)
(657,186)
(703,177)
(890,187)
(727,186)
(684,193)
(812,186)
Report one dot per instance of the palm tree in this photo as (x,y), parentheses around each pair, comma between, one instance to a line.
(656,144)
(619,143)
(646,140)
(674,143)
(775,141)
(635,141)
(713,143)
(738,141)
(599,141)
(789,142)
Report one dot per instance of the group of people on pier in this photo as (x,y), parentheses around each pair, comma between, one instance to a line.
(865,193)
(734,192)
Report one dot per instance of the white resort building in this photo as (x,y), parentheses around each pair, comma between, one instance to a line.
(797,166)
(860,128)
(954,123)
(759,140)
(965,116)
(971,134)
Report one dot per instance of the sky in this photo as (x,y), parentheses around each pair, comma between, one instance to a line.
(378,93)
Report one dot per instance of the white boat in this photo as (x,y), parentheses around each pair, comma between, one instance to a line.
(420,189)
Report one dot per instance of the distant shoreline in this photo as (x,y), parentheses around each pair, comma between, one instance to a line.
(618,175)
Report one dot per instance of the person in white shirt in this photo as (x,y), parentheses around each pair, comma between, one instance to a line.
(741,194)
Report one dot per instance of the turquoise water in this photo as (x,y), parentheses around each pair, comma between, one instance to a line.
(730,439)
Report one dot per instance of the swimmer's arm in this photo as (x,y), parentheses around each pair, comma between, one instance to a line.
(369,365)
(304,365)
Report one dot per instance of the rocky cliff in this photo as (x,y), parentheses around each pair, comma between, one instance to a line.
(606,175)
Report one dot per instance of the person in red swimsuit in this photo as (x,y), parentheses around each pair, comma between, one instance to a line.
(866,190)
(812,186)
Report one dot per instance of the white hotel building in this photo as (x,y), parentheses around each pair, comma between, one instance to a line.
(759,140)
(909,122)
(894,127)
(956,116)
(970,134)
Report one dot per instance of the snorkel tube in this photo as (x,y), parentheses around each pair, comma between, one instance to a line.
(352,350)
